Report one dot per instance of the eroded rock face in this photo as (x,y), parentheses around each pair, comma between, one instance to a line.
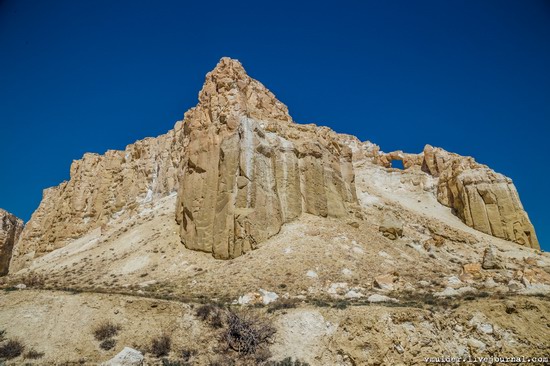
(10,229)
(483,199)
(101,187)
(247,169)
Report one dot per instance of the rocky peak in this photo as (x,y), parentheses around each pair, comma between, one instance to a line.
(247,169)
(228,92)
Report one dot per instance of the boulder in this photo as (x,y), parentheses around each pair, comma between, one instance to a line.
(391,227)
(380,298)
(490,260)
(385,282)
(472,270)
(268,297)
(127,357)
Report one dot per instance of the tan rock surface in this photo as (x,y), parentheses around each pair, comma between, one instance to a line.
(483,199)
(101,188)
(480,197)
(10,230)
(247,169)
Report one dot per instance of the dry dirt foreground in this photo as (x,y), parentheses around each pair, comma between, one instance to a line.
(60,324)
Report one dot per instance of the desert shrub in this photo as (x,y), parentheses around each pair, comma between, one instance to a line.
(319,303)
(107,344)
(341,304)
(106,330)
(281,305)
(161,345)
(187,354)
(2,334)
(212,314)
(204,311)
(246,334)
(33,354)
(11,349)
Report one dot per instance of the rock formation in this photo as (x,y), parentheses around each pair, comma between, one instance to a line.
(241,169)
(480,197)
(247,169)
(483,199)
(10,229)
(101,187)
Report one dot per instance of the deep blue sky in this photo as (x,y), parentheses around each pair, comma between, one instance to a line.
(85,76)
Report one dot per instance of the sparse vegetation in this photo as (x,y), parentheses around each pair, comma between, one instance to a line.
(203,312)
(106,330)
(222,360)
(33,355)
(211,313)
(186,354)
(341,304)
(161,345)
(107,344)
(281,305)
(246,333)
(11,349)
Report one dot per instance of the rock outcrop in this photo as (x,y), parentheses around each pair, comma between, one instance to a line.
(483,199)
(480,197)
(101,187)
(248,169)
(241,168)
(10,229)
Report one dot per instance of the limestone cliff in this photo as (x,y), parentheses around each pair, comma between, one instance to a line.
(480,197)
(10,229)
(483,199)
(248,169)
(100,188)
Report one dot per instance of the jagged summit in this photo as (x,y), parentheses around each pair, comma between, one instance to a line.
(229,90)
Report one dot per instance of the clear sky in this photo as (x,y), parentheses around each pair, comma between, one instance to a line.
(85,76)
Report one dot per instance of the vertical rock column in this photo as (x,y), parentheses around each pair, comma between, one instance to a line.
(10,230)
(247,168)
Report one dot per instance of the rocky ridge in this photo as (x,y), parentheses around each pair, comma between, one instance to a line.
(101,188)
